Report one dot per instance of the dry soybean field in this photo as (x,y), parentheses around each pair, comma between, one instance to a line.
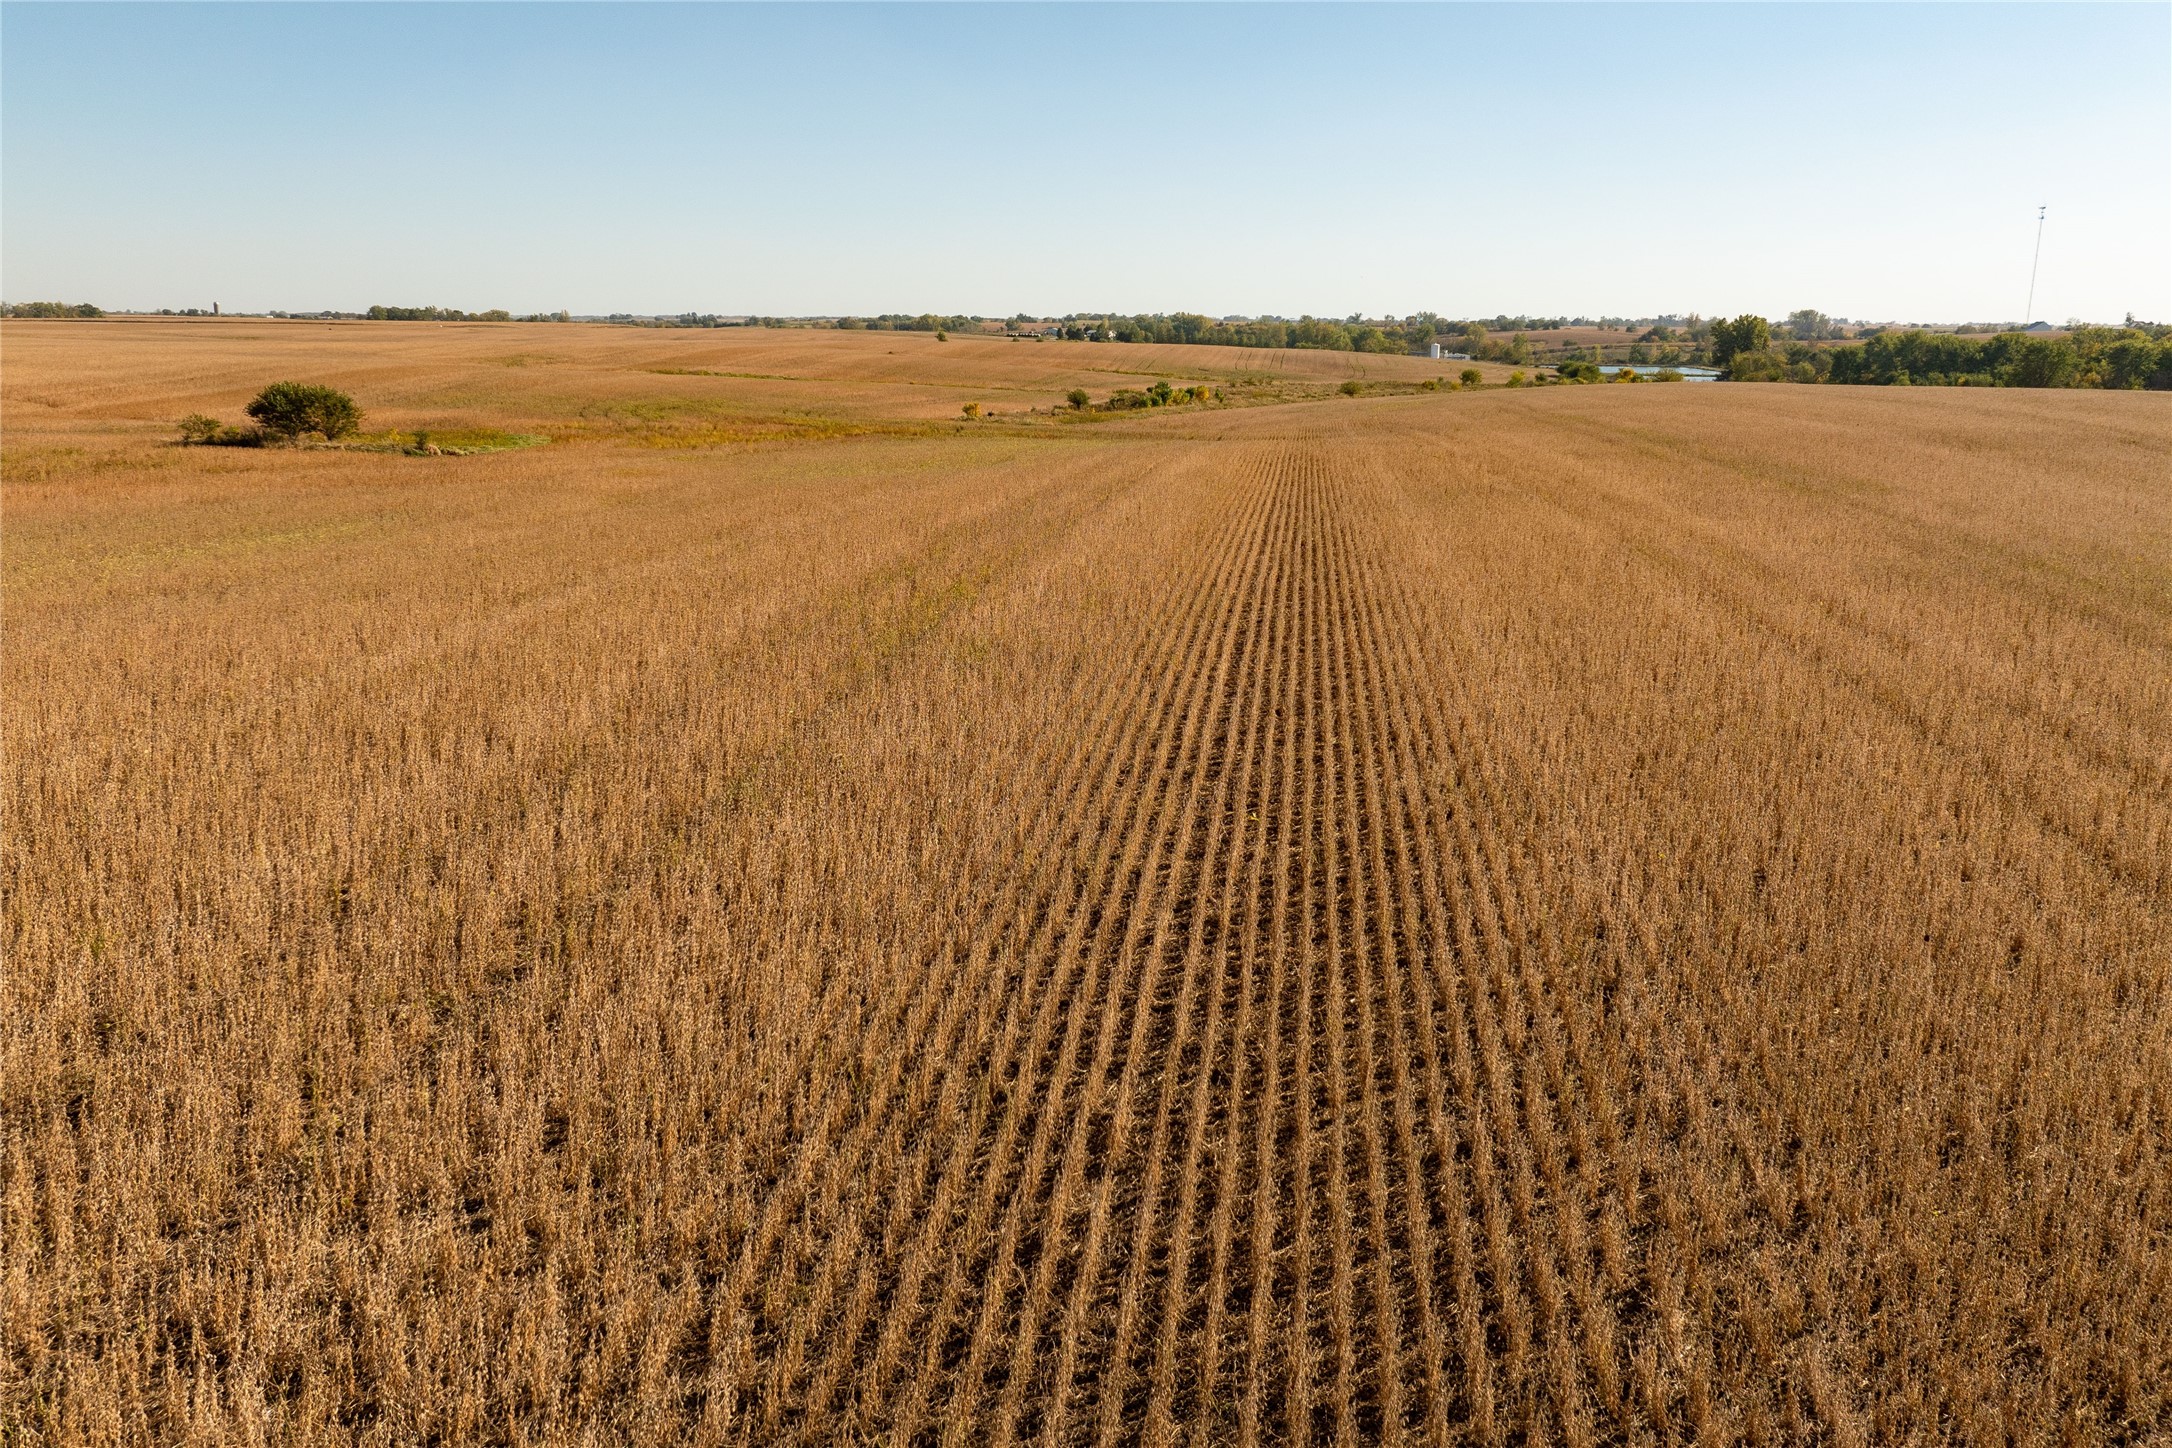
(1574,915)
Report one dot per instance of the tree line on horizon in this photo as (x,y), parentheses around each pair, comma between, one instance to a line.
(2131,357)
(1807,346)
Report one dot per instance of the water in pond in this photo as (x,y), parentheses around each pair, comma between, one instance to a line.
(1689,374)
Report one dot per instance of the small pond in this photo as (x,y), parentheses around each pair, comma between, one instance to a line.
(1689,374)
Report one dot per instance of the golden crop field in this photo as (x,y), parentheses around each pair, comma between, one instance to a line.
(1580,915)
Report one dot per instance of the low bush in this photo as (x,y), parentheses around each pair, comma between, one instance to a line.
(291,410)
(1757,366)
(198,430)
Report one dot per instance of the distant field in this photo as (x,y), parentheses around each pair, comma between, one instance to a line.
(1585,915)
(596,379)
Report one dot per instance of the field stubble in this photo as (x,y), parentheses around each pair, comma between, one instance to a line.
(1572,917)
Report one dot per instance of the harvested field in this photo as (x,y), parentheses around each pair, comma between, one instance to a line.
(1586,916)
(616,382)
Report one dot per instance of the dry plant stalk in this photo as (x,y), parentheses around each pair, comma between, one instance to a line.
(1602,915)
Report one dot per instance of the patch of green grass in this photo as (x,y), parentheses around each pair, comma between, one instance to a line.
(727,432)
(462,440)
(442,442)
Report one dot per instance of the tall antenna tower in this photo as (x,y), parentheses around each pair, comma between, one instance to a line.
(2028,312)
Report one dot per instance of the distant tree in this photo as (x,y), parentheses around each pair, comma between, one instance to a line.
(290,409)
(1810,326)
(1757,365)
(2136,361)
(1077,398)
(2039,362)
(941,335)
(1161,392)
(1745,333)
(972,409)
(1472,377)
(1351,388)
(198,428)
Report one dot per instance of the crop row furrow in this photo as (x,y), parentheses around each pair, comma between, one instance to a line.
(1553,1207)
(1515,1249)
(1187,930)
(1031,1069)
(1094,793)
(1066,1221)
(839,1136)
(1219,1080)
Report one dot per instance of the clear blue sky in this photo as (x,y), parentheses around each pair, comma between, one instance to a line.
(1872,161)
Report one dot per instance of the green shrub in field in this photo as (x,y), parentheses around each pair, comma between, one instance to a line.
(291,409)
(1757,366)
(198,430)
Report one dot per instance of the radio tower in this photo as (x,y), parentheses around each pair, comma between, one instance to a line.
(2028,312)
